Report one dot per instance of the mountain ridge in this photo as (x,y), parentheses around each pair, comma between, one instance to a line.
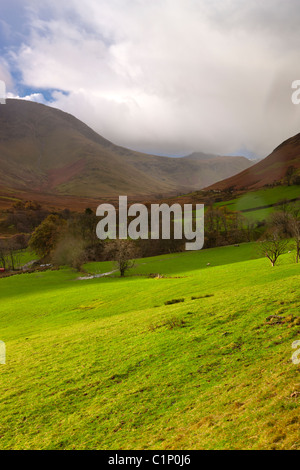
(47,151)
(271,170)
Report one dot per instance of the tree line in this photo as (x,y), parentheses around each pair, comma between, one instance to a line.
(69,238)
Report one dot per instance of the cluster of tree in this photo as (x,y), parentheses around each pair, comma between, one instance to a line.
(73,241)
(225,227)
(23,217)
(291,176)
(283,232)
(11,250)
(67,239)
(70,238)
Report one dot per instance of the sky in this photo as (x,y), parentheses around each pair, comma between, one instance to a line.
(161,76)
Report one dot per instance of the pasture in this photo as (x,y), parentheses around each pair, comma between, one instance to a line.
(106,364)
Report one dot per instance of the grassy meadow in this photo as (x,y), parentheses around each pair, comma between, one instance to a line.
(106,364)
(255,202)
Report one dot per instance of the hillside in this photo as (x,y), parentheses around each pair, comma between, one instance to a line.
(44,151)
(268,171)
(105,364)
(257,205)
(201,156)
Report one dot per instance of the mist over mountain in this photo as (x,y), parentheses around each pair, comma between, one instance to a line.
(45,150)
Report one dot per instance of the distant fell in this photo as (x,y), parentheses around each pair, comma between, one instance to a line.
(45,151)
(271,170)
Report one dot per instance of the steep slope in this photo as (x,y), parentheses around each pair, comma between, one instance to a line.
(47,151)
(268,171)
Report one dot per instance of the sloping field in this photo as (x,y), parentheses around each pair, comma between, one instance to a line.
(257,205)
(105,364)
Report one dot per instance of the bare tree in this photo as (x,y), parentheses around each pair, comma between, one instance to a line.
(272,246)
(290,172)
(295,230)
(10,253)
(3,254)
(70,251)
(279,221)
(288,224)
(13,254)
(123,253)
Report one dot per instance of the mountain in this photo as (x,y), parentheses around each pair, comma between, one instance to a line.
(201,156)
(270,170)
(46,151)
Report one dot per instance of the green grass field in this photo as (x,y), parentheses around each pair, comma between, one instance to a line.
(105,364)
(26,256)
(260,198)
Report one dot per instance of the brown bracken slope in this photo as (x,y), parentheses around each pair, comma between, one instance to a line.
(48,154)
(268,171)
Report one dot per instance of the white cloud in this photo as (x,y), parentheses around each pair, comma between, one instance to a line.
(36,97)
(5,74)
(170,75)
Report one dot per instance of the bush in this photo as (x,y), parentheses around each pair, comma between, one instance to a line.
(174,322)
(201,296)
(173,301)
(70,252)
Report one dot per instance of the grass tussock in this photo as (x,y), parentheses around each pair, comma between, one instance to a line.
(173,301)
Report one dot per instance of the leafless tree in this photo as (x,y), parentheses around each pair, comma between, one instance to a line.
(123,253)
(295,230)
(70,251)
(3,254)
(290,172)
(10,253)
(272,246)
(287,222)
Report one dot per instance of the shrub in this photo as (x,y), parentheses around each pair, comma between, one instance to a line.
(201,296)
(174,322)
(173,301)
